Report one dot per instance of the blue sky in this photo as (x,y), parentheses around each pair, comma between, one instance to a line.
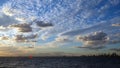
(59,27)
(2,2)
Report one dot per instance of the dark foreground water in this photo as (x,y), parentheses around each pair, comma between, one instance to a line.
(60,62)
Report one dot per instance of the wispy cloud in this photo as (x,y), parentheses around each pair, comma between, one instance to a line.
(58,22)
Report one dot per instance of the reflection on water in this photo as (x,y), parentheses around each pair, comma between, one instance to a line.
(60,62)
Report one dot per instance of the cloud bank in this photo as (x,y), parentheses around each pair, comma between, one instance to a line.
(94,40)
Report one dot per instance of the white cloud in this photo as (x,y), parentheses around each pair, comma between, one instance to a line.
(63,39)
(58,14)
(20,19)
(117,24)
(7,9)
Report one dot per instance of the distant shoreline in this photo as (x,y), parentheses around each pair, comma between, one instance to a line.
(100,55)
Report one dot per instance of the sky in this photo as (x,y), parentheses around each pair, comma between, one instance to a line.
(59,27)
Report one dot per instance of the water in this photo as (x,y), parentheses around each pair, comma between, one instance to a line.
(60,62)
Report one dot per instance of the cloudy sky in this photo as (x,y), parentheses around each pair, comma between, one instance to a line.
(59,27)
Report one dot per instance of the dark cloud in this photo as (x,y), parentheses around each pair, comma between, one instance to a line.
(43,24)
(91,38)
(95,36)
(94,39)
(22,27)
(22,38)
(97,40)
